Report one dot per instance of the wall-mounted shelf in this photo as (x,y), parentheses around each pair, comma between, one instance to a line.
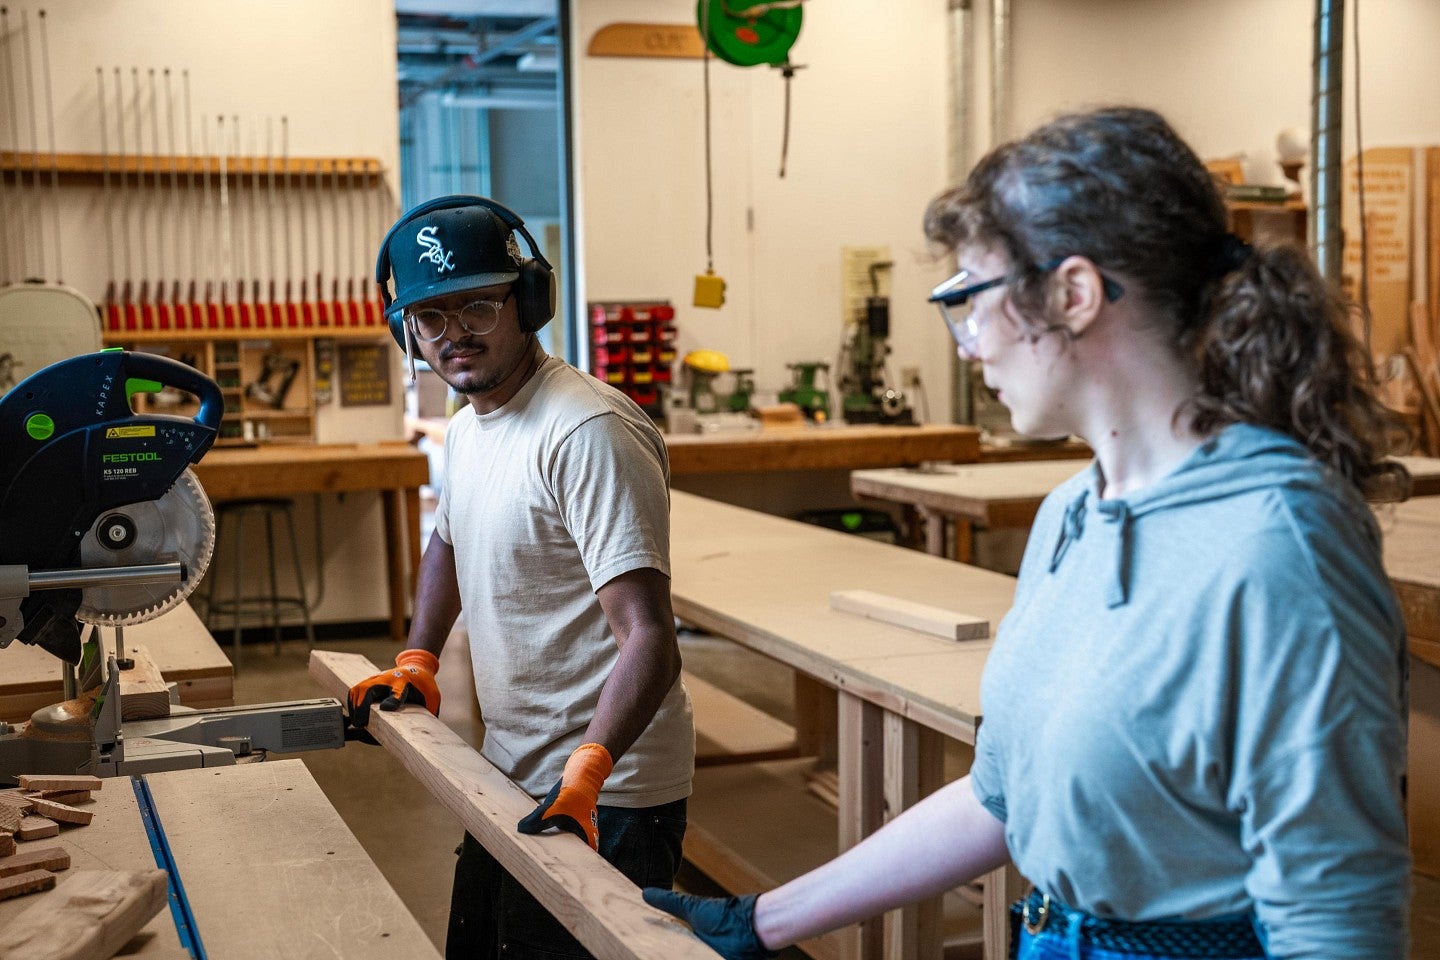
(91,167)
(115,338)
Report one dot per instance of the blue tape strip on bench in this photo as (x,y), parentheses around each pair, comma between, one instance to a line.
(185,925)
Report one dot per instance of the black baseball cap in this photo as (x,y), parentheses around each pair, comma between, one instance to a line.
(449,250)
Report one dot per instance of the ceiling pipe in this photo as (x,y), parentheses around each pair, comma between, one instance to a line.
(1000,86)
(1326,237)
(962,78)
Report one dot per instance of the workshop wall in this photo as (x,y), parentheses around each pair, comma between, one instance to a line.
(1231,74)
(867,151)
(329,65)
(869,140)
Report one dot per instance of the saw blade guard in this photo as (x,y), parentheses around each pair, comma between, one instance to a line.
(177,526)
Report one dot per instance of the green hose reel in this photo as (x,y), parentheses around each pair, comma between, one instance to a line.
(748,36)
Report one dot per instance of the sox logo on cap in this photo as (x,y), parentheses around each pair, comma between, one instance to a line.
(434,252)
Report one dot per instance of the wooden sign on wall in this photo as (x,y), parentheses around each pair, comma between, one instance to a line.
(364,374)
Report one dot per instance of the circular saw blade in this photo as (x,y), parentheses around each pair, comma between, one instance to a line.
(179,525)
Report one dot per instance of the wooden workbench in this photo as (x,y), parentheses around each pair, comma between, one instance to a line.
(394,470)
(178,642)
(268,866)
(951,502)
(819,448)
(766,582)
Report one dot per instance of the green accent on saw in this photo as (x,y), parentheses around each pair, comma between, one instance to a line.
(134,385)
(111,349)
(851,521)
(748,41)
(40,426)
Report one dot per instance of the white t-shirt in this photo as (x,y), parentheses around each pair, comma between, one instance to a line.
(546,500)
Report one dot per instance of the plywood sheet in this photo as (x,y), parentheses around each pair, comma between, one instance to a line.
(263,835)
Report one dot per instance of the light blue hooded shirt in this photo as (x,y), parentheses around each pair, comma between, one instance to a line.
(1196,705)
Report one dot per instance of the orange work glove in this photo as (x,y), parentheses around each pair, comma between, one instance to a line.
(570,804)
(412,681)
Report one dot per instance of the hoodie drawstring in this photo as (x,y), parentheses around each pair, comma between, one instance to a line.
(1117,518)
(1070,528)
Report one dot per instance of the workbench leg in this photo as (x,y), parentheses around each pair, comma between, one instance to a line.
(395,559)
(934,532)
(862,774)
(815,720)
(914,768)
(1003,887)
(964,540)
(412,534)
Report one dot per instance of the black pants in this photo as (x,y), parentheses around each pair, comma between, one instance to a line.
(492,915)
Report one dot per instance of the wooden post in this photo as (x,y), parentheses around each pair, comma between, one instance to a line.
(914,768)
(862,774)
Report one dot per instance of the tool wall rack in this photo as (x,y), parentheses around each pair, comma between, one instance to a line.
(238,361)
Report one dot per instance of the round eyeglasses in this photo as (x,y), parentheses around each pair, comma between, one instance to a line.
(477,319)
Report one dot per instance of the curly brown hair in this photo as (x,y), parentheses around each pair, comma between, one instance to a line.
(1268,335)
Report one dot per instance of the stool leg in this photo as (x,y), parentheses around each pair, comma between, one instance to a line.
(274,582)
(239,567)
(300,580)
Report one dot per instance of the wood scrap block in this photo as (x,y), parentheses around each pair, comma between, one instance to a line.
(37,828)
(50,784)
(28,882)
(71,797)
(144,694)
(13,798)
(50,858)
(90,916)
(7,844)
(10,818)
(923,617)
(63,812)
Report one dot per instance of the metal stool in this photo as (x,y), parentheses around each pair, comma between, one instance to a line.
(236,512)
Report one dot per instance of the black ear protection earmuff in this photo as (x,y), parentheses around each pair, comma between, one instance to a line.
(535,288)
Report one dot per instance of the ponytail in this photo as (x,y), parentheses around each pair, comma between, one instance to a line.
(1276,350)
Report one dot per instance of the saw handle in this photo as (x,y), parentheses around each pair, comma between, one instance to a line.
(182,376)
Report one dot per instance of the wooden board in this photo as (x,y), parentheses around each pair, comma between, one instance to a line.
(178,642)
(936,621)
(1412,560)
(593,900)
(667,40)
(90,916)
(37,828)
(63,813)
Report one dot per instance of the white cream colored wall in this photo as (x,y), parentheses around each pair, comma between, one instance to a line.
(1230,74)
(867,151)
(329,65)
(869,142)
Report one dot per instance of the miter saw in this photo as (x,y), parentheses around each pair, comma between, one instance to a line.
(103,523)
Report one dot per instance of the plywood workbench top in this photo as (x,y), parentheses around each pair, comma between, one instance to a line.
(766,582)
(268,866)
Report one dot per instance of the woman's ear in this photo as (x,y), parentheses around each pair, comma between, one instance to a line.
(1078,290)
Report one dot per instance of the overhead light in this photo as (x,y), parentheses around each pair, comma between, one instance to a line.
(538,62)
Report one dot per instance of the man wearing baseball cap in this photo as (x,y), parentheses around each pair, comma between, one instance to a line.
(552,539)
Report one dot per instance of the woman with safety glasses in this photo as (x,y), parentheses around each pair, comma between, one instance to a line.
(1194,716)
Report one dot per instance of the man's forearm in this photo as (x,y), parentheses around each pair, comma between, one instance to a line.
(437,598)
(647,667)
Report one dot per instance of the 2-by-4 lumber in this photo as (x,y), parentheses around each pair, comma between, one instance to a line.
(594,901)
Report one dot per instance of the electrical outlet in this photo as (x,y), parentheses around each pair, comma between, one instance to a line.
(910,377)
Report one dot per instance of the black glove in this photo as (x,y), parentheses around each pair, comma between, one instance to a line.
(725,924)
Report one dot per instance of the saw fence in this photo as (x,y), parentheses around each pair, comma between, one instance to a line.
(595,902)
